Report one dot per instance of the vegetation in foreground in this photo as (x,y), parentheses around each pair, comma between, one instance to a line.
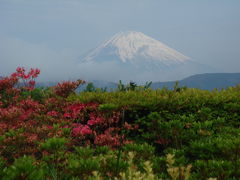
(131,133)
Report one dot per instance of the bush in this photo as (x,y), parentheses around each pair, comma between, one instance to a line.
(23,168)
(89,135)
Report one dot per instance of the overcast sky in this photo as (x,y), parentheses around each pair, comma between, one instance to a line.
(52,34)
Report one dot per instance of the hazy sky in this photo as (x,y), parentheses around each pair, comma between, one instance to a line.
(52,34)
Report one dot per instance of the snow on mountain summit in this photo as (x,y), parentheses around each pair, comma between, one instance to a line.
(135,56)
(132,46)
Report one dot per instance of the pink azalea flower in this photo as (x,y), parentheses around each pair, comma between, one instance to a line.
(52,113)
(81,130)
(67,115)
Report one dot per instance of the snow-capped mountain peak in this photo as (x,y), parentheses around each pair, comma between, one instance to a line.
(132,46)
(137,57)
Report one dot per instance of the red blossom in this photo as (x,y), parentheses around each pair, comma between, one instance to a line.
(27,78)
(107,140)
(30,104)
(3,126)
(110,137)
(14,75)
(20,69)
(95,120)
(65,88)
(10,113)
(127,126)
(8,83)
(52,113)
(67,115)
(26,115)
(66,126)
(73,111)
(30,115)
(31,137)
(86,130)
(81,130)
(34,72)
(47,127)
(32,83)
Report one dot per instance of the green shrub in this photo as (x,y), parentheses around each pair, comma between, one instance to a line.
(23,168)
(213,168)
(82,166)
(54,144)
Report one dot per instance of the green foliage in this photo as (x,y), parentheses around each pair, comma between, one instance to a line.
(142,151)
(66,131)
(23,168)
(214,168)
(81,166)
(177,88)
(2,166)
(121,86)
(147,85)
(177,172)
(198,131)
(54,144)
(195,125)
(37,94)
(91,88)
(102,150)
(14,133)
(107,107)
(132,86)
(216,148)
(84,152)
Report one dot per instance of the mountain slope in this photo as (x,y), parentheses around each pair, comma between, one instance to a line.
(134,56)
(206,81)
(128,46)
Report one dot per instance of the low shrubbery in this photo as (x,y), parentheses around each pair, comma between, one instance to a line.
(131,133)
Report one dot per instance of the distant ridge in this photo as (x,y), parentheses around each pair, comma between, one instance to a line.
(207,81)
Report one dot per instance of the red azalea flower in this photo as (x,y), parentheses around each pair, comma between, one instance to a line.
(67,115)
(95,120)
(32,83)
(91,122)
(86,130)
(32,138)
(26,76)
(52,113)
(81,130)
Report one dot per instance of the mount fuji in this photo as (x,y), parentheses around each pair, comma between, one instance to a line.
(134,56)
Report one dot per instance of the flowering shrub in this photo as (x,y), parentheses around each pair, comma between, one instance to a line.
(8,83)
(64,89)
(50,116)
(52,113)
(110,137)
(28,79)
(49,130)
(81,130)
